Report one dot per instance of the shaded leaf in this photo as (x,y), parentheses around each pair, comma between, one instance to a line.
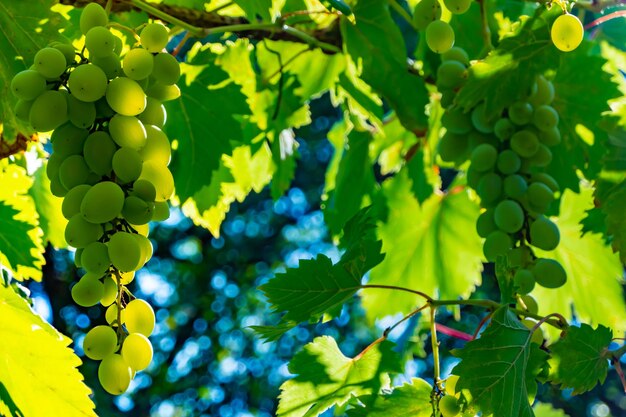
(411,399)
(48,206)
(546,410)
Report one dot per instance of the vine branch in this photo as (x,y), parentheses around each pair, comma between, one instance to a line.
(19,145)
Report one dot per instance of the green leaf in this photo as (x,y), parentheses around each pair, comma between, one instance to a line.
(38,370)
(411,399)
(17,245)
(25,27)
(432,248)
(579,359)
(317,285)
(375,42)
(325,377)
(509,70)
(499,368)
(256,9)
(284,157)
(546,410)
(48,206)
(593,292)
(611,200)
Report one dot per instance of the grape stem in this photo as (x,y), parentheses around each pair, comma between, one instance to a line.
(610,16)
(485,31)
(124,28)
(166,17)
(118,302)
(435,347)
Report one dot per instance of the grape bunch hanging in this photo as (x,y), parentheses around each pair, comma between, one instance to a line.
(110,164)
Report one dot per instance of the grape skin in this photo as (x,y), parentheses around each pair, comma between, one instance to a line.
(48,111)
(139,317)
(28,85)
(100,342)
(154,37)
(166,69)
(549,273)
(93,15)
(103,202)
(99,41)
(138,64)
(50,63)
(114,374)
(567,32)
(124,251)
(509,216)
(439,36)
(79,232)
(126,97)
(544,234)
(98,152)
(88,83)
(137,351)
(127,164)
(95,258)
(88,291)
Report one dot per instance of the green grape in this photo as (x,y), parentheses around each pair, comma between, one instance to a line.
(137,351)
(451,382)
(114,374)
(161,211)
(546,179)
(98,152)
(508,162)
(125,252)
(539,197)
(453,147)
(163,92)
(485,224)
(77,256)
(489,189)
(50,63)
(457,122)
(157,148)
(524,280)
(543,157)
(103,202)
(99,41)
(425,12)
(525,143)
(160,177)
(100,342)
(127,131)
(497,244)
(439,36)
(521,113)
(56,188)
(447,97)
(81,113)
(22,109)
(138,64)
(476,138)
(95,258)
(28,85)
(109,64)
(88,291)
(127,164)
(88,82)
(449,406)
(110,291)
(139,317)
(154,37)
(72,200)
(68,140)
(103,110)
(474,177)
(144,190)
(154,114)
(111,315)
(544,94)
(142,229)
(67,50)
(503,129)
(518,257)
(509,216)
(544,234)
(48,111)
(567,32)
(537,336)
(549,273)
(458,6)
(451,74)
(146,248)
(126,97)
(137,211)
(94,178)
(166,69)
(484,157)
(551,137)
(54,163)
(456,53)
(545,117)
(515,186)
(480,120)
(93,15)
(73,171)
(79,232)
(529,303)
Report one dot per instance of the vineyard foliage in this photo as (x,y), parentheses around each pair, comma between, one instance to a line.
(499,162)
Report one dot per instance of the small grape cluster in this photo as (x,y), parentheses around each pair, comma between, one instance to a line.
(507,156)
(439,35)
(110,164)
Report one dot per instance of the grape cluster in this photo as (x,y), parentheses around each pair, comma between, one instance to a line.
(439,35)
(109,163)
(507,156)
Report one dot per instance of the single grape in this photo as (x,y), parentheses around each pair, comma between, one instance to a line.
(28,85)
(539,197)
(154,114)
(525,143)
(567,32)
(508,162)
(458,6)
(95,258)
(137,211)
(48,111)
(73,171)
(439,36)
(486,224)
(93,15)
(146,248)
(56,188)
(551,137)
(549,273)
(127,277)
(160,177)
(53,166)
(71,203)
(451,74)
(138,64)
(137,351)
(521,113)
(544,234)
(22,109)
(449,406)
(88,291)
(154,37)
(163,92)
(110,291)
(100,342)
(81,113)
(489,189)
(145,190)
(544,93)
(109,64)
(98,152)
(139,317)
(114,374)
(88,82)
(127,164)
(509,216)
(503,129)
(515,186)
(456,121)
(100,42)
(67,50)
(102,203)
(68,140)
(546,179)
(50,63)
(480,120)
(425,12)
(545,117)
(529,303)
(126,97)
(524,280)
(127,131)
(161,211)
(497,244)
(447,97)
(79,232)
(456,53)
(543,157)
(157,148)
(125,252)
(453,147)
(166,69)
(484,157)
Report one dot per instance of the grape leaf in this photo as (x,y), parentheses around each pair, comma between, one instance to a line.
(593,271)
(509,70)
(48,206)
(433,248)
(256,9)
(611,199)
(499,368)
(325,377)
(317,285)
(375,42)
(411,399)
(546,410)
(579,359)
(38,370)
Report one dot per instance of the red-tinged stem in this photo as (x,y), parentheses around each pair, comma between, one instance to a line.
(481,324)
(449,331)
(620,372)
(181,44)
(610,16)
